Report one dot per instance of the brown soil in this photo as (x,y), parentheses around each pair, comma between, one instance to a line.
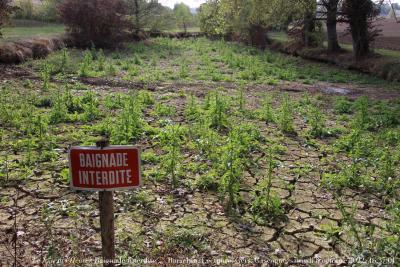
(389,34)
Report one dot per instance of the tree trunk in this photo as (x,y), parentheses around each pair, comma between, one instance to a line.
(331,22)
(137,17)
(359,14)
(359,33)
(309,30)
(258,36)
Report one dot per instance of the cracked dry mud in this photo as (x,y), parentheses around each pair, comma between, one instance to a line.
(143,223)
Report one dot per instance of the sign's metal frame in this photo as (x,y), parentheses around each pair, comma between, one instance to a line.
(105,148)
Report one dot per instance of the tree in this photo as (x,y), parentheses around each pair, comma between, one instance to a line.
(253,18)
(26,10)
(212,20)
(94,22)
(5,10)
(360,14)
(303,14)
(162,18)
(142,12)
(393,12)
(330,13)
(183,15)
(48,10)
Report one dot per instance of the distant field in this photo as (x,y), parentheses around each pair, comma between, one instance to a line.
(26,29)
(346,44)
(389,35)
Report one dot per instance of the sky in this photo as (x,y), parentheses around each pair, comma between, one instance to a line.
(197,3)
(191,3)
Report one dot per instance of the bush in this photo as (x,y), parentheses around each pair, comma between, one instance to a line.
(94,22)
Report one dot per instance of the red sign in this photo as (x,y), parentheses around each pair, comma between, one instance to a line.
(110,168)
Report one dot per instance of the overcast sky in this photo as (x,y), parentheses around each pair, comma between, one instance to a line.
(191,3)
(197,3)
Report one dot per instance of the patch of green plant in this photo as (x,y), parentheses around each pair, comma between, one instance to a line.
(342,105)
(172,139)
(285,116)
(218,108)
(181,240)
(192,111)
(129,123)
(349,177)
(266,205)
(45,74)
(164,110)
(85,66)
(316,120)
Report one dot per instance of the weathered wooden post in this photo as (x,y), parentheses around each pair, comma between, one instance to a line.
(105,169)
(106,207)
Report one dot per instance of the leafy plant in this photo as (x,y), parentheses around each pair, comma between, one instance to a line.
(266,205)
(342,105)
(316,121)
(101,60)
(86,64)
(129,124)
(285,119)
(192,111)
(46,76)
(266,111)
(232,168)
(164,110)
(217,111)
(172,139)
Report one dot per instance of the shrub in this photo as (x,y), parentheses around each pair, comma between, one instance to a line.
(94,22)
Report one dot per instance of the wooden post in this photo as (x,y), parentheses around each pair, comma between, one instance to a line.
(106,206)
(106,203)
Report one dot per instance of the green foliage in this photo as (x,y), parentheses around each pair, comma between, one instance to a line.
(232,169)
(218,107)
(59,110)
(90,107)
(212,20)
(316,120)
(242,99)
(84,69)
(266,205)
(164,110)
(342,105)
(192,111)
(234,157)
(179,239)
(172,138)
(101,60)
(207,181)
(46,76)
(285,119)
(266,111)
(129,123)
(348,177)
(183,16)
(362,118)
